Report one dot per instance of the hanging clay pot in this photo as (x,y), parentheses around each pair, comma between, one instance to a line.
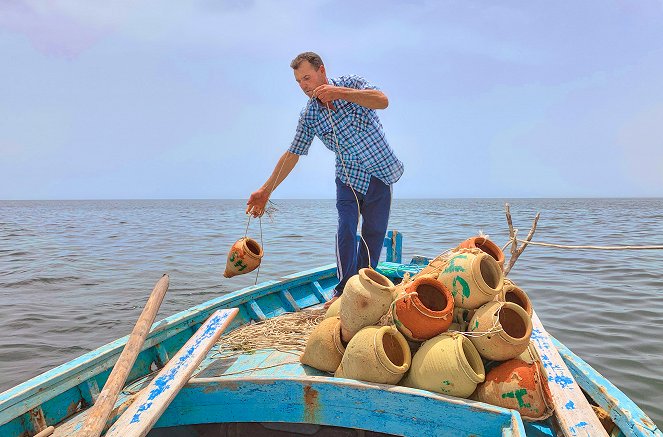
(485,245)
(512,293)
(324,349)
(244,257)
(334,308)
(520,386)
(501,330)
(366,298)
(473,277)
(424,310)
(447,364)
(376,354)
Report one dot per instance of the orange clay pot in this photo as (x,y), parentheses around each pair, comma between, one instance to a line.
(424,310)
(517,385)
(512,293)
(485,245)
(244,256)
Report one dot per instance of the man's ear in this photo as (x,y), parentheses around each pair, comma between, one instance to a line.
(322,69)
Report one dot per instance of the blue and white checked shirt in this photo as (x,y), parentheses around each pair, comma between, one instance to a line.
(361,139)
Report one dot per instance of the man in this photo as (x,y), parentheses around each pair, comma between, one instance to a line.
(341,112)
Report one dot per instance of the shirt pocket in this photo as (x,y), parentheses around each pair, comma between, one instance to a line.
(360,120)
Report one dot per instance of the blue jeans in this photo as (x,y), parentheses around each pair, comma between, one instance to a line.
(374,207)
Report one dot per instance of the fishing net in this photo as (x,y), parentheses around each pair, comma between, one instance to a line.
(287,332)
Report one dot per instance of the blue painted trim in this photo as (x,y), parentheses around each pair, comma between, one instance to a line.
(630,419)
(337,402)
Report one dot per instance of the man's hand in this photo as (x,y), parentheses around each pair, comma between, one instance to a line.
(327,93)
(257,202)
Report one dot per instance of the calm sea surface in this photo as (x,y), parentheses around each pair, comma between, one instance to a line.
(74,275)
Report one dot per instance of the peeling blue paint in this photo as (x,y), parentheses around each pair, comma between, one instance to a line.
(570,405)
(561,380)
(162,383)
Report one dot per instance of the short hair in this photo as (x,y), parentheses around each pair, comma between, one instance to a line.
(313,58)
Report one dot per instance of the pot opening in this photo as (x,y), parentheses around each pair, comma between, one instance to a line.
(473,358)
(515,297)
(489,247)
(490,271)
(392,348)
(377,278)
(512,323)
(432,297)
(253,247)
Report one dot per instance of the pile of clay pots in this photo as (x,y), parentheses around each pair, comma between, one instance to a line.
(438,331)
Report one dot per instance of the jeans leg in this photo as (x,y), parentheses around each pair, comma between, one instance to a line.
(375,218)
(346,242)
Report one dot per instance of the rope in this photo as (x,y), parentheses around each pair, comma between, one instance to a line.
(564,246)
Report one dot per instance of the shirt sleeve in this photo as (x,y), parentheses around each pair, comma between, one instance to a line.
(303,138)
(359,83)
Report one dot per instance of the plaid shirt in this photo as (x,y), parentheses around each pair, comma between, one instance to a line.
(362,145)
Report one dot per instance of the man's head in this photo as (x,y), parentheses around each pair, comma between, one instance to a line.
(309,71)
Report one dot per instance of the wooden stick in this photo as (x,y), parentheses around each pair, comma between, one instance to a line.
(515,250)
(99,413)
(45,433)
(153,400)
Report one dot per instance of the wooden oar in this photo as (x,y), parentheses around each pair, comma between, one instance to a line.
(153,400)
(99,413)
(572,410)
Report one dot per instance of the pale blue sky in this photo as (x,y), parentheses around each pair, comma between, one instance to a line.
(196,99)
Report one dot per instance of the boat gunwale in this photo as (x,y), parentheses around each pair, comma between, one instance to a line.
(50,383)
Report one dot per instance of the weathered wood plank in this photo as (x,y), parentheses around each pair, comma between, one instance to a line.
(623,411)
(155,398)
(572,410)
(96,420)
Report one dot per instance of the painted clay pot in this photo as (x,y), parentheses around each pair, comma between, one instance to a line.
(244,256)
(334,308)
(501,330)
(376,354)
(424,310)
(324,349)
(485,245)
(520,386)
(447,364)
(512,293)
(366,298)
(473,277)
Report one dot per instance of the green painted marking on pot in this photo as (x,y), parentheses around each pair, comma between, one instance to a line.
(446,382)
(452,267)
(232,256)
(518,395)
(476,325)
(465,288)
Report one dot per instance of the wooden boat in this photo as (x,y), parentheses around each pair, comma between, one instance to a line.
(269,393)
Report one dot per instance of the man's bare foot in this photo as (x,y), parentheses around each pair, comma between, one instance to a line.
(330,301)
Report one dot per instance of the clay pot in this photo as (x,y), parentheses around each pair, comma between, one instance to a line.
(244,256)
(447,364)
(366,298)
(334,308)
(424,310)
(324,349)
(473,277)
(507,329)
(520,386)
(512,293)
(463,315)
(485,245)
(376,354)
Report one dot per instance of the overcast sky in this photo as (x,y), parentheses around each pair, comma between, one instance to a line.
(196,99)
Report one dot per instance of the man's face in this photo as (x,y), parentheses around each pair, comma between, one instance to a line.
(308,78)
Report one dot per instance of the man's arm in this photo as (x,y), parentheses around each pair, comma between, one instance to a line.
(372,99)
(258,200)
